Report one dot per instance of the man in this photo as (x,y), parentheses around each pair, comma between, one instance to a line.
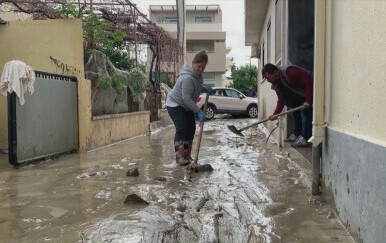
(250,92)
(294,87)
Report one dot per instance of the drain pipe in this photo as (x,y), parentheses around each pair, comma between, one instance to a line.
(318,125)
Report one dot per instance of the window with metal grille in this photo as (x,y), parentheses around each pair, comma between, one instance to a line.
(193,46)
(203,19)
(170,20)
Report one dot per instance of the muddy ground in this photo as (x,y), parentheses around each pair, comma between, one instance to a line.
(256,193)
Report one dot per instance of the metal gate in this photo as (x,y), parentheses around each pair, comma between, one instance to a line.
(47,124)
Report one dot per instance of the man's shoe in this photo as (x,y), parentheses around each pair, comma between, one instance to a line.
(291,138)
(2,21)
(301,143)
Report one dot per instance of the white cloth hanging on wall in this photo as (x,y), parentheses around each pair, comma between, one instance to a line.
(17,77)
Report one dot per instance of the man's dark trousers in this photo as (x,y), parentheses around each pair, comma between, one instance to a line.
(302,122)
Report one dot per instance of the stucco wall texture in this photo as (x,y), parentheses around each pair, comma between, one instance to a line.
(268,97)
(353,162)
(54,46)
(357,57)
(114,128)
(354,180)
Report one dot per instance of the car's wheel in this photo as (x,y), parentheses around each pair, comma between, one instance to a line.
(210,111)
(252,111)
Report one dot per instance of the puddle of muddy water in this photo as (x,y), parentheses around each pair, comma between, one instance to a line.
(249,197)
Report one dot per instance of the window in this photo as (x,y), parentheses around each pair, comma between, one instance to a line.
(218,92)
(203,19)
(193,46)
(263,54)
(208,85)
(278,8)
(170,20)
(232,93)
(208,76)
(269,41)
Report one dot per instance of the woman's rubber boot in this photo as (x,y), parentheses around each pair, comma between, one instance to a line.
(188,151)
(180,158)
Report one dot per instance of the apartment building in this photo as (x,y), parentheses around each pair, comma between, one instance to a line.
(203,31)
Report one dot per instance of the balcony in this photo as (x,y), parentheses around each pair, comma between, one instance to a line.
(204,27)
(193,27)
(216,61)
(255,12)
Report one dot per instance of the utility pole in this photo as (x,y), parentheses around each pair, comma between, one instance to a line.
(181,33)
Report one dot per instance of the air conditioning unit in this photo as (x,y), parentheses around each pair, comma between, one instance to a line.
(255,50)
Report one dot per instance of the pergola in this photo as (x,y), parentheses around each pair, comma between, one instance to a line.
(125,17)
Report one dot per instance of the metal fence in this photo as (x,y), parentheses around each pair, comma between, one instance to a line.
(47,124)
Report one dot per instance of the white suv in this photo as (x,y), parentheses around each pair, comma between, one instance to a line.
(228,100)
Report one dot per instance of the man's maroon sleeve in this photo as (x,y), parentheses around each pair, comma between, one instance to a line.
(299,77)
(279,105)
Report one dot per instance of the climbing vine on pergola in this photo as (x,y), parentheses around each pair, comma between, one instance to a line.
(123,15)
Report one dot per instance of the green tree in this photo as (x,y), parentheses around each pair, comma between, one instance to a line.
(102,35)
(244,77)
(69,11)
(115,82)
(137,80)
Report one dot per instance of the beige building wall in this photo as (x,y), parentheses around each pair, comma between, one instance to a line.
(45,45)
(217,60)
(227,82)
(158,15)
(195,31)
(56,46)
(52,46)
(114,128)
(190,16)
(356,81)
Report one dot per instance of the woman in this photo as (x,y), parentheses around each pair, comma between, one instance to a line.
(181,106)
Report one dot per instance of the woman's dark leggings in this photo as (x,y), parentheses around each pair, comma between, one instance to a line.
(185,124)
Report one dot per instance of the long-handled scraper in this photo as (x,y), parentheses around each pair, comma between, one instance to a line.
(195,166)
(236,131)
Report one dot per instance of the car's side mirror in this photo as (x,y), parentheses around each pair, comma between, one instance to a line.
(241,96)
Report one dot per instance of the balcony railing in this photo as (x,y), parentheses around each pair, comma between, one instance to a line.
(190,51)
(193,27)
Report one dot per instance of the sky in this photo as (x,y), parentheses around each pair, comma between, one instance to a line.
(233,23)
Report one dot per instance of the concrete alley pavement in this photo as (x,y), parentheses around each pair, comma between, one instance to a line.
(254,194)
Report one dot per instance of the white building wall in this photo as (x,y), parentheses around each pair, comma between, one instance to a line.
(354,149)
(268,97)
(357,78)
